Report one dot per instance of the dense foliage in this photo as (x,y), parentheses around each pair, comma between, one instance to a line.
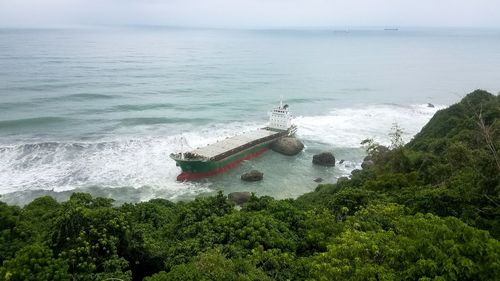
(429,210)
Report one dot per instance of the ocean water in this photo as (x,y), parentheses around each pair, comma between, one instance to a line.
(100,109)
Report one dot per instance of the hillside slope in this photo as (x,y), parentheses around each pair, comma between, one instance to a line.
(450,168)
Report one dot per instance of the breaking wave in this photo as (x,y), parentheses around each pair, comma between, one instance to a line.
(142,161)
(112,163)
(347,127)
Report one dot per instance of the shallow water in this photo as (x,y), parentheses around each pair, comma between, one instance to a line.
(100,109)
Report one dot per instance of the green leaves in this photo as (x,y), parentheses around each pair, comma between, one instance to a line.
(34,262)
(87,234)
(213,265)
(381,242)
(267,240)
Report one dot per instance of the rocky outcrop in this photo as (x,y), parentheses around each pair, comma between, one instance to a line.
(287,145)
(318,180)
(253,175)
(324,159)
(239,198)
(430,105)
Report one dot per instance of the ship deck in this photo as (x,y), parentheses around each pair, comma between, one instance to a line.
(230,145)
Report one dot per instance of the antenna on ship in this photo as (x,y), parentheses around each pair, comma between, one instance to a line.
(182,146)
(281,101)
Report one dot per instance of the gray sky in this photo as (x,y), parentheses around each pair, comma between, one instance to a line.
(252,13)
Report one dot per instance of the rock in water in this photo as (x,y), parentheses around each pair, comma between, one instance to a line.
(324,159)
(253,175)
(239,197)
(318,180)
(287,145)
(430,105)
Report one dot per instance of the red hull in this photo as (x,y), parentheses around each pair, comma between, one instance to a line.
(184,176)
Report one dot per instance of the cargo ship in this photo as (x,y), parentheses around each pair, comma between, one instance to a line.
(223,155)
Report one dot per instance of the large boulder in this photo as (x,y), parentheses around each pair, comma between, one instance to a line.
(318,180)
(287,145)
(239,198)
(324,159)
(253,175)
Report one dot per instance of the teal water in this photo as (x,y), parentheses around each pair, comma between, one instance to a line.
(100,109)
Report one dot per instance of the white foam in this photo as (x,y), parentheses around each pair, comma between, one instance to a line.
(119,162)
(347,127)
(143,161)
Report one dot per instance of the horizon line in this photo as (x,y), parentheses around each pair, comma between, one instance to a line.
(257,28)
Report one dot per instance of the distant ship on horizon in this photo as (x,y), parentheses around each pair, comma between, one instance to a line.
(391,29)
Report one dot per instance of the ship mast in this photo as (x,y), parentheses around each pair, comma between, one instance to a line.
(182,144)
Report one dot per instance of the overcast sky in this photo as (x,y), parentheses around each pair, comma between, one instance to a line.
(252,13)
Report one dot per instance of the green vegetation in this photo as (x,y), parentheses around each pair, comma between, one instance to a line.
(428,210)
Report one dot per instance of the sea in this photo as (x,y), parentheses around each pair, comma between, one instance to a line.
(99,109)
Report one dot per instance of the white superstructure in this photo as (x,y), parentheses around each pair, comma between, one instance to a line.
(280,118)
